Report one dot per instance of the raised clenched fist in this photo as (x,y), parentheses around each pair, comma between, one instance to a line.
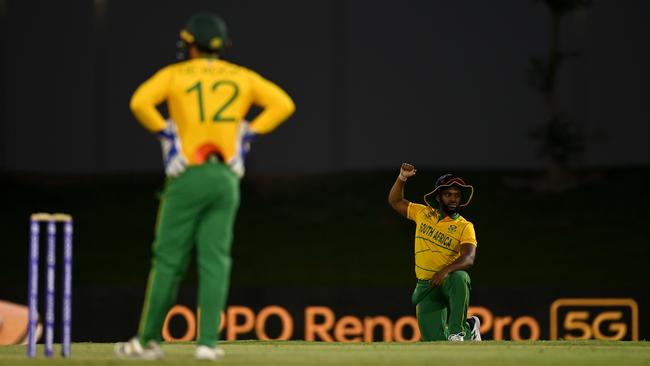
(406,171)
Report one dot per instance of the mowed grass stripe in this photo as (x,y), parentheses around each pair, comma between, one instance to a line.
(506,353)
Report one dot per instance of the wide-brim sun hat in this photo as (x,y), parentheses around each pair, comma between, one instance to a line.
(447,181)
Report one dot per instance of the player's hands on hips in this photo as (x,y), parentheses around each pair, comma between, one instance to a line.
(245,137)
(406,171)
(175,161)
(438,278)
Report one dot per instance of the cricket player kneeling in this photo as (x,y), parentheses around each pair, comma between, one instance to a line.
(445,245)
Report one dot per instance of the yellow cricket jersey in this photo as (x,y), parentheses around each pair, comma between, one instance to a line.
(437,241)
(208,98)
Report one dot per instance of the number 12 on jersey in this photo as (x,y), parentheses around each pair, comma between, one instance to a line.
(220,115)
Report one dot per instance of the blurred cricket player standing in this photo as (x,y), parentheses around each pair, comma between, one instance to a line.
(445,245)
(204,143)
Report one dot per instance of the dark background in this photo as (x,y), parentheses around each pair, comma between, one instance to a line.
(438,83)
(444,85)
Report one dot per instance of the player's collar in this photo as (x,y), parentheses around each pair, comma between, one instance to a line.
(453,216)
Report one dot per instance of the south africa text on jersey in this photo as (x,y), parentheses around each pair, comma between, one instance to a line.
(435,235)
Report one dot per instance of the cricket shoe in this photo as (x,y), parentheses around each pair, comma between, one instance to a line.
(208,353)
(134,350)
(475,324)
(460,337)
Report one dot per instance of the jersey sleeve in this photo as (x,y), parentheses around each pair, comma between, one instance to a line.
(469,235)
(276,104)
(413,210)
(148,95)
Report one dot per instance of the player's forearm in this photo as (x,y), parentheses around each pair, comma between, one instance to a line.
(396,195)
(460,263)
(150,118)
(463,262)
(147,96)
(273,116)
(146,113)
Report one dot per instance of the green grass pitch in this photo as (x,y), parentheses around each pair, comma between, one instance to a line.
(505,353)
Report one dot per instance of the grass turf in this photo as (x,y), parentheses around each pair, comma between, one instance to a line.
(505,353)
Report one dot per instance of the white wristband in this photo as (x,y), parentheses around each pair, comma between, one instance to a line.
(401,177)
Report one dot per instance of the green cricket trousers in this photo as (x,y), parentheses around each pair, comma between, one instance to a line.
(442,310)
(197,208)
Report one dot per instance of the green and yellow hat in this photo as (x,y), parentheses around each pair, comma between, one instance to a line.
(207,31)
(446,181)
